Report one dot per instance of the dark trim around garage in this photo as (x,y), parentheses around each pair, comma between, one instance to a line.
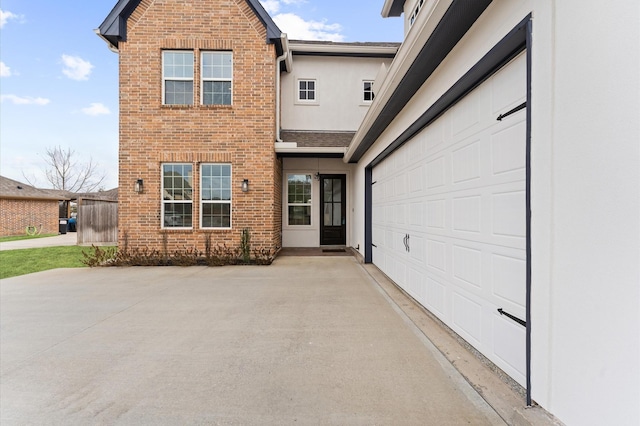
(529,32)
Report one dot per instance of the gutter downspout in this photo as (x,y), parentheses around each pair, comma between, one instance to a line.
(279,60)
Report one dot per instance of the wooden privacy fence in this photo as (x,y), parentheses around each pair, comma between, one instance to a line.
(97,222)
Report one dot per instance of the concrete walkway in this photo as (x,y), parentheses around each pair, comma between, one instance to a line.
(68,239)
(308,340)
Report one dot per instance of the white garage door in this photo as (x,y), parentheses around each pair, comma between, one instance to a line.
(449,218)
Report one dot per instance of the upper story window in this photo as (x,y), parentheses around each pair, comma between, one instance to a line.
(177,195)
(217,78)
(215,196)
(307,90)
(367,93)
(177,77)
(417,9)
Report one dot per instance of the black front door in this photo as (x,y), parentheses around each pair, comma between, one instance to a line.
(333,216)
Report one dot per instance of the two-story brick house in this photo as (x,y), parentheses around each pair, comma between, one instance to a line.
(225,125)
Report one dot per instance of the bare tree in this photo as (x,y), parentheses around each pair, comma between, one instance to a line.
(64,172)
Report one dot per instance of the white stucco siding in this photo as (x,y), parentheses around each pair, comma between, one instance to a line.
(339,82)
(586,212)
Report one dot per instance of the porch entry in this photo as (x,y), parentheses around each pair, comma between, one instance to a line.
(333,214)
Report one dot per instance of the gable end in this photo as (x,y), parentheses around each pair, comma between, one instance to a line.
(114,28)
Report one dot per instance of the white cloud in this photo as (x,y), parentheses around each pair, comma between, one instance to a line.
(5,71)
(273,6)
(76,68)
(24,100)
(5,15)
(96,109)
(297,28)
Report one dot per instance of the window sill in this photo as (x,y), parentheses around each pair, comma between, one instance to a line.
(198,107)
(303,103)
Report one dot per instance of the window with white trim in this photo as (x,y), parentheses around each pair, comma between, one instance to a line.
(177,77)
(307,90)
(367,93)
(217,78)
(177,195)
(299,199)
(215,196)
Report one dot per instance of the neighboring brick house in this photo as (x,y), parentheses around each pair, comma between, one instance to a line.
(201,87)
(23,206)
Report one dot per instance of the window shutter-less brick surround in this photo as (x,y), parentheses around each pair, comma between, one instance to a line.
(241,134)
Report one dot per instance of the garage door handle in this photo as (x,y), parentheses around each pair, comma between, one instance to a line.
(513,111)
(405,240)
(516,319)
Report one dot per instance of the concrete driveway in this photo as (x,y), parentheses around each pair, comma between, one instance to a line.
(308,340)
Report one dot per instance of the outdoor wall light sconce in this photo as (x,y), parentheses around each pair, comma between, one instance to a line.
(245,185)
(138,186)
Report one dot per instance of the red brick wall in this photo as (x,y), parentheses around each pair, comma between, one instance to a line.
(18,214)
(242,134)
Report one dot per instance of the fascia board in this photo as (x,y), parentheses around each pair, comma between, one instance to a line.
(311,150)
(392,8)
(342,49)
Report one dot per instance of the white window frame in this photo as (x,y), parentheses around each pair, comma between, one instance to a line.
(165,78)
(165,202)
(417,9)
(203,201)
(307,204)
(315,91)
(214,79)
(365,91)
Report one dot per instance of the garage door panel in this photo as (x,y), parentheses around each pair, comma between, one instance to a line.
(509,343)
(507,88)
(467,318)
(436,173)
(467,265)
(435,300)
(466,162)
(458,189)
(507,217)
(507,289)
(507,155)
(437,256)
(466,116)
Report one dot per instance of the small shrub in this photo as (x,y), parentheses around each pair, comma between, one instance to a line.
(219,255)
(245,245)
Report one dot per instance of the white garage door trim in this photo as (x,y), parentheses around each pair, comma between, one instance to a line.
(514,43)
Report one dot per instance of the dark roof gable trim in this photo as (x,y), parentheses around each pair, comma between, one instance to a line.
(114,27)
(396,8)
(508,48)
(455,23)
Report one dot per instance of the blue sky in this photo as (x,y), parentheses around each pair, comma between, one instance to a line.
(59,82)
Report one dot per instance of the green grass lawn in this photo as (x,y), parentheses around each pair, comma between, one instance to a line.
(27,261)
(24,237)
